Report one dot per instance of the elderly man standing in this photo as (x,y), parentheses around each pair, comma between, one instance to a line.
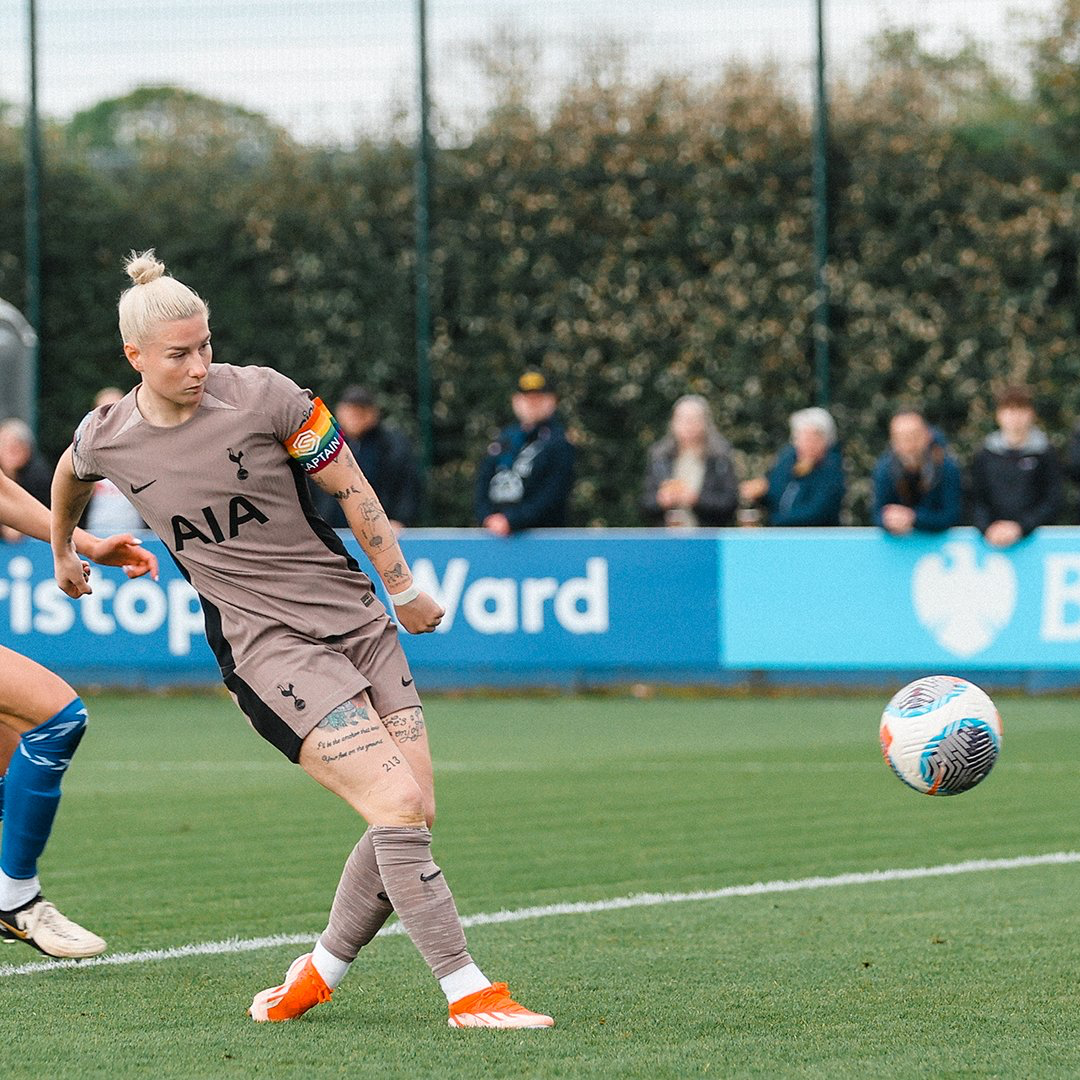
(806,485)
(917,483)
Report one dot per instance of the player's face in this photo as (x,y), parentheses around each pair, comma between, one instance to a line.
(175,361)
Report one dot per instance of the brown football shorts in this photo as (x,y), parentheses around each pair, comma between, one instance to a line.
(289,682)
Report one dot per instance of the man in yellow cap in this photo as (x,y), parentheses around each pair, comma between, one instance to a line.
(524,481)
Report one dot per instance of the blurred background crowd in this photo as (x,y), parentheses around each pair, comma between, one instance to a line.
(643,241)
(525,480)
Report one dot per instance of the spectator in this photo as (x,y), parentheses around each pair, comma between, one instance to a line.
(524,481)
(806,485)
(109,510)
(385,457)
(917,484)
(1015,477)
(690,478)
(20,461)
(1072,454)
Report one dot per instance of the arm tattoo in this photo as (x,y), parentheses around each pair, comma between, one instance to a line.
(395,575)
(370,509)
(376,540)
(341,496)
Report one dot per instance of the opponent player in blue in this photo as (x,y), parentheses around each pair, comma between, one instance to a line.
(42,720)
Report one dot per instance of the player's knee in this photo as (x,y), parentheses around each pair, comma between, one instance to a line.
(51,745)
(411,809)
(403,805)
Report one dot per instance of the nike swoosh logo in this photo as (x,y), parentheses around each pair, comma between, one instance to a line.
(142,487)
(430,877)
(406,682)
(22,934)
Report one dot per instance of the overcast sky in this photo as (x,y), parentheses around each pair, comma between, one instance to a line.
(328,68)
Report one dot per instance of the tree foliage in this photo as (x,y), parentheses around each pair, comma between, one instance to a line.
(639,241)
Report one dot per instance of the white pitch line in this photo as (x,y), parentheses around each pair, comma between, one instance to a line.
(587,907)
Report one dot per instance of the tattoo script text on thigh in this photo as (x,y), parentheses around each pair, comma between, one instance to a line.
(405,726)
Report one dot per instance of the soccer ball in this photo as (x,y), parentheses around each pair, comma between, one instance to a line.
(941,735)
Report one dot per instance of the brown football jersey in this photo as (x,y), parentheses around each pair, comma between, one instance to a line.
(231,504)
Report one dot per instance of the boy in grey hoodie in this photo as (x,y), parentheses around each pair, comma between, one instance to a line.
(1015,476)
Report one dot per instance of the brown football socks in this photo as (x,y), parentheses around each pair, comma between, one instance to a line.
(420,896)
(361,904)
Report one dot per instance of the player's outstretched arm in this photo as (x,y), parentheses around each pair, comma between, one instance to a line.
(20,510)
(69,498)
(343,480)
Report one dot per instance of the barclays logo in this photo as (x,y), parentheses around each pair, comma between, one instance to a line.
(964,605)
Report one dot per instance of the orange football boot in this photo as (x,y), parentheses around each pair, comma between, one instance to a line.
(302,989)
(493,1007)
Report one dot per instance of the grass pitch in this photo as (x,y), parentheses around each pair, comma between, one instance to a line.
(179,825)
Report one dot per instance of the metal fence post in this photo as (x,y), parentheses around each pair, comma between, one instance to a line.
(423,268)
(32,216)
(820,179)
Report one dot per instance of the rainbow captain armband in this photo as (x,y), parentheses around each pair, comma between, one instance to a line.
(318,440)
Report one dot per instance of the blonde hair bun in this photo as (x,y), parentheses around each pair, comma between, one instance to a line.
(143,267)
(154,297)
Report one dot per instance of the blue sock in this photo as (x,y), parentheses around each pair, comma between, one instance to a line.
(32,788)
(2,779)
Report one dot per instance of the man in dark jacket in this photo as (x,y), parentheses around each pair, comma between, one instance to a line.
(1015,477)
(524,481)
(917,483)
(805,487)
(385,457)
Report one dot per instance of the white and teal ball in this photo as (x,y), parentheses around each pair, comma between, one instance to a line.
(941,735)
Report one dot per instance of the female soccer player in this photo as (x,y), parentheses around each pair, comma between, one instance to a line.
(215,459)
(42,721)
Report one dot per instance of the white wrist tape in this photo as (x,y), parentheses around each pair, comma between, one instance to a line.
(406,597)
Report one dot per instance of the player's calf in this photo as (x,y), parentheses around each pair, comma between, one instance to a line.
(31,797)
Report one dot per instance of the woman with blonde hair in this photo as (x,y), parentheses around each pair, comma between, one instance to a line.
(216,459)
(690,478)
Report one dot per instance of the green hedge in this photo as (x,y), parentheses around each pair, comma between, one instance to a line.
(641,242)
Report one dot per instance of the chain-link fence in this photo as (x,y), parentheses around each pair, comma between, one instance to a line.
(621,194)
